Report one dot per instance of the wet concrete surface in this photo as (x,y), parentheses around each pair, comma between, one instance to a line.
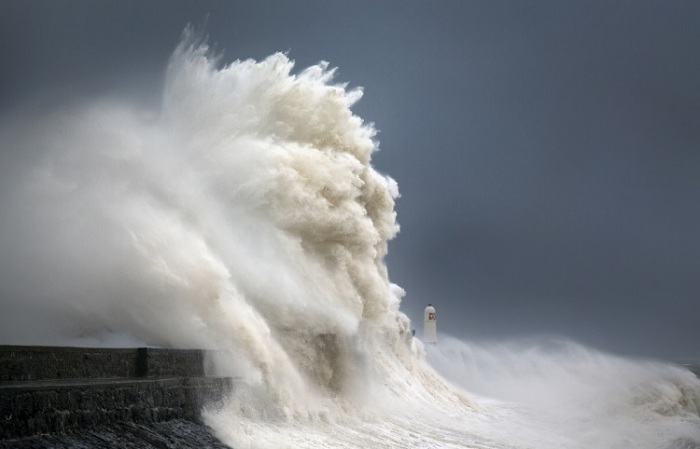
(174,434)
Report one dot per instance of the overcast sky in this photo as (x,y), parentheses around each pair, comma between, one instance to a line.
(547,152)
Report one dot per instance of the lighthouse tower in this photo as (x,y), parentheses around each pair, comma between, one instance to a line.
(429,325)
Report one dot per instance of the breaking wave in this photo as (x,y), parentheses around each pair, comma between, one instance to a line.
(243,215)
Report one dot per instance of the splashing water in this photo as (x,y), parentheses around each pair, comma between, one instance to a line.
(597,400)
(244,216)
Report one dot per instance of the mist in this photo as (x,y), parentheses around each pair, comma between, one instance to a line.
(545,152)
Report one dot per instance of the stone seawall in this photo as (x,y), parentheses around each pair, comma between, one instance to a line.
(52,407)
(46,390)
(30,363)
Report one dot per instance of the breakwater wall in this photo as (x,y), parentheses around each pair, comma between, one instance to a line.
(34,363)
(47,390)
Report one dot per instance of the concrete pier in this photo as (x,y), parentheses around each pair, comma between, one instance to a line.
(57,390)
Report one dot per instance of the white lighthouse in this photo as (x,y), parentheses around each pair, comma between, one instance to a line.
(429,325)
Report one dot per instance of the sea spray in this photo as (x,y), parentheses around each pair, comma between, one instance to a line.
(605,401)
(243,215)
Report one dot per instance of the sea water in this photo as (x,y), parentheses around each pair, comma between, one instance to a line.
(244,215)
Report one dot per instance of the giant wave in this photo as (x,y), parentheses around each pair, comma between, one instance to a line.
(244,215)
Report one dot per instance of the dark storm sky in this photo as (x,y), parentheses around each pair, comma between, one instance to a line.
(547,152)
